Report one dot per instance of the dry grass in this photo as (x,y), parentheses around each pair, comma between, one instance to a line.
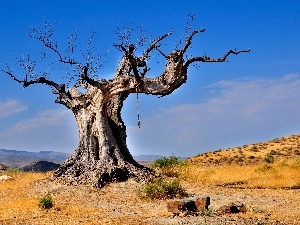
(119,204)
(280,149)
(19,202)
(247,166)
(271,191)
(284,174)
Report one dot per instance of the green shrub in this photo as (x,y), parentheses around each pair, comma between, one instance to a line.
(46,202)
(168,166)
(264,168)
(259,210)
(207,212)
(269,159)
(165,162)
(273,152)
(254,149)
(160,189)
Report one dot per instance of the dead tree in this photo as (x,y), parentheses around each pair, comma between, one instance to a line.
(102,155)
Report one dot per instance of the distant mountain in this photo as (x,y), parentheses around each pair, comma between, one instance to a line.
(17,159)
(41,166)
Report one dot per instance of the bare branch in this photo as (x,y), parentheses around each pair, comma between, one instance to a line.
(59,89)
(84,76)
(208,59)
(10,73)
(188,40)
(121,47)
(154,45)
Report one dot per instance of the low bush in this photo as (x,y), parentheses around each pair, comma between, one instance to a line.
(165,162)
(46,202)
(168,166)
(207,212)
(161,189)
(269,158)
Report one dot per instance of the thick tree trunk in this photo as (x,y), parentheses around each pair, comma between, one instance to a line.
(102,155)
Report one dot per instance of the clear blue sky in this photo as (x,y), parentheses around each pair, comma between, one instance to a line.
(254,97)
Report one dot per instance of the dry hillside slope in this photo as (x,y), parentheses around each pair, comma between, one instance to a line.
(278,149)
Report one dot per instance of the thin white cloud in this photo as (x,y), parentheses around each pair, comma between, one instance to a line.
(53,130)
(238,112)
(10,107)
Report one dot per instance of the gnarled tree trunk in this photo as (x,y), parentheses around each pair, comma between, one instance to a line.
(102,155)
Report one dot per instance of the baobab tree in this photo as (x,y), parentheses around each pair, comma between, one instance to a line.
(102,155)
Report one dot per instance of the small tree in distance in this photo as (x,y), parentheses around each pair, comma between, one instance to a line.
(102,155)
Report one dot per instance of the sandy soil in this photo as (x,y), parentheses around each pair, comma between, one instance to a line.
(119,204)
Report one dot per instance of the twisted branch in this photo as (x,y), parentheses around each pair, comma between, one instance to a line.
(188,41)
(208,59)
(154,45)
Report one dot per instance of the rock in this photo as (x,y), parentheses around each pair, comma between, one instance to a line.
(202,203)
(5,177)
(235,207)
(181,205)
(186,205)
(3,167)
(41,166)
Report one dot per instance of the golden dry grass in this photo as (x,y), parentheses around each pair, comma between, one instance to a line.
(284,174)
(19,202)
(246,166)
(279,148)
(119,204)
(273,188)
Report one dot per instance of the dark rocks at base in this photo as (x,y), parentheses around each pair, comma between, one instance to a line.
(184,205)
(202,203)
(235,207)
(41,166)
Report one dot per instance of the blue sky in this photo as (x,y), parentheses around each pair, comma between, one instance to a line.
(252,98)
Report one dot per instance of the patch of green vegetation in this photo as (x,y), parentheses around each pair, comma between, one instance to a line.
(166,162)
(254,149)
(283,164)
(269,158)
(161,189)
(264,168)
(296,164)
(168,166)
(259,210)
(273,152)
(207,212)
(276,140)
(46,202)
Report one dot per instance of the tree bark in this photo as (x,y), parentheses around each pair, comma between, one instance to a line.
(102,155)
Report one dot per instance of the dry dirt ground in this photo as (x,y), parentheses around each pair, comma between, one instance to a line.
(119,204)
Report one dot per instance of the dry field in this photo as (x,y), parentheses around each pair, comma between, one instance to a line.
(270,191)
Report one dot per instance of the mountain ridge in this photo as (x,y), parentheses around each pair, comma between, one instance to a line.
(20,158)
(17,159)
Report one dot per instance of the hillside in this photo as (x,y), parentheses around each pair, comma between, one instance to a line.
(278,149)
